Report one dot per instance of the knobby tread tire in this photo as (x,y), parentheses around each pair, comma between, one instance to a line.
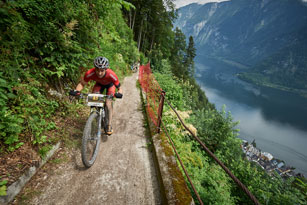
(105,119)
(86,134)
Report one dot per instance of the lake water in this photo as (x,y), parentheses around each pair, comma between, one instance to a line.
(277,120)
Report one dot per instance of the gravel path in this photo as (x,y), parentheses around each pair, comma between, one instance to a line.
(123,173)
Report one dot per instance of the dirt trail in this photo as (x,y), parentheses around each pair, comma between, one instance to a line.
(123,172)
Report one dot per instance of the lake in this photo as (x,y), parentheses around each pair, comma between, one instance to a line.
(276,119)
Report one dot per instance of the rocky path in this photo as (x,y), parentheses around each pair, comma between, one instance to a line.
(123,173)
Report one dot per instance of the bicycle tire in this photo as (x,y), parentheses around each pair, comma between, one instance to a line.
(106,118)
(90,140)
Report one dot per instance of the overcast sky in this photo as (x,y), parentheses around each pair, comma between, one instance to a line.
(180,3)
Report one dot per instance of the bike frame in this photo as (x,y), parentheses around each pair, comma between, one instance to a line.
(97,103)
(98,107)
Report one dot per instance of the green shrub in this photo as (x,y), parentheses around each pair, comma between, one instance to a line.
(44,48)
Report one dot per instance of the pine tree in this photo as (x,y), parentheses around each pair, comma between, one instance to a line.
(189,59)
(178,54)
(151,23)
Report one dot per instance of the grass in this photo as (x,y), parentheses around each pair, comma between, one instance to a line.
(28,194)
(61,160)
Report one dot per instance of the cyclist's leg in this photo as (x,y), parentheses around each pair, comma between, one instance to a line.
(97,88)
(111,91)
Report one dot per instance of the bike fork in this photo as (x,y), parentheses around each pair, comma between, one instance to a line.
(101,114)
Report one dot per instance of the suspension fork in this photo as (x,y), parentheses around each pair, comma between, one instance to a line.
(101,113)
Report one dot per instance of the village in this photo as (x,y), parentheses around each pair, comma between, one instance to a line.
(267,162)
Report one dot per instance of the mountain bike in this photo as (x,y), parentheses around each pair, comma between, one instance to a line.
(97,119)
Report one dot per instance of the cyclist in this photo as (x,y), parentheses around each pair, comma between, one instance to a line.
(135,66)
(105,78)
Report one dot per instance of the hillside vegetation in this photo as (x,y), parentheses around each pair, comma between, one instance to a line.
(173,66)
(44,48)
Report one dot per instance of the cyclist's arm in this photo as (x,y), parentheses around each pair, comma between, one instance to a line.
(81,85)
(119,90)
(115,80)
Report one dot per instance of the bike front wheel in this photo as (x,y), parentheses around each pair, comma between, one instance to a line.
(90,140)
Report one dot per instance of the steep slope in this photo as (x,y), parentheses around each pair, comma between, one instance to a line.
(262,35)
(244,31)
(287,67)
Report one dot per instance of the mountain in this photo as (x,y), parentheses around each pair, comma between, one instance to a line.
(286,69)
(267,36)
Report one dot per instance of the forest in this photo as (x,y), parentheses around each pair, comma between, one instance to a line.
(47,44)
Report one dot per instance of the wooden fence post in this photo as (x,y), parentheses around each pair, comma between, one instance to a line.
(160,110)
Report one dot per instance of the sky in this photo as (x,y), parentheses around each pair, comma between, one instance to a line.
(180,3)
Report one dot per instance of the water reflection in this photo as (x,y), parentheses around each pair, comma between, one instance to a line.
(277,120)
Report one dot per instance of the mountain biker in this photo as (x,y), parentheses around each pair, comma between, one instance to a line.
(105,78)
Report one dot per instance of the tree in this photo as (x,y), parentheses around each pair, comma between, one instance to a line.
(152,25)
(189,59)
(178,53)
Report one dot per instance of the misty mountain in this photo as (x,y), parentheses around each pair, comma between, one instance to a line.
(268,36)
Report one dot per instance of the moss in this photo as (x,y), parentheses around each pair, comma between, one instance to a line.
(181,192)
(180,187)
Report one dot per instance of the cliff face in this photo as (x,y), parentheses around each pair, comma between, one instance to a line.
(245,31)
(252,33)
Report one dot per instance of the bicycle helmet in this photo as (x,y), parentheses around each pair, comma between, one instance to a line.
(101,62)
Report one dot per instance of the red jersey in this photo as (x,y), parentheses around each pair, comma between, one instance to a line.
(110,77)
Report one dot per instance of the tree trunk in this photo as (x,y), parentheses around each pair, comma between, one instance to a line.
(144,35)
(130,19)
(133,21)
(140,35)
(152,39)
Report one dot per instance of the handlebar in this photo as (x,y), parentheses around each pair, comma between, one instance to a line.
(116,95)
(96,100)
(100,96)
(84,95)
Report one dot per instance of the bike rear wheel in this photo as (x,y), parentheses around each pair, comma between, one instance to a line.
(90,140)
